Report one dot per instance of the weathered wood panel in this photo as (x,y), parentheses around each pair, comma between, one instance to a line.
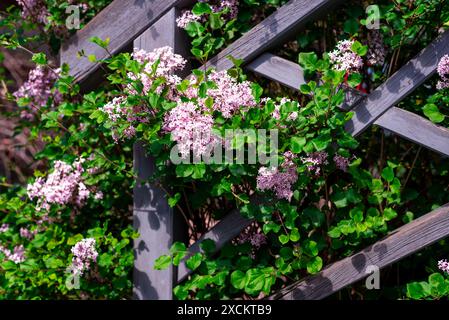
(406,124)
(401,243)
(271,31)
(416,128)
(156,222)
(122,21)
(399,85)
(223,232)
(278,69)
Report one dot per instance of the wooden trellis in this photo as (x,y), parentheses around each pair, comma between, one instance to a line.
(149,24)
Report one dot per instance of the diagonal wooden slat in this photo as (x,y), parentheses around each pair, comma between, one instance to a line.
(399,85)
(273,30)
(415,128)
(401,243)
(223,232)
(122,21)
(406,124)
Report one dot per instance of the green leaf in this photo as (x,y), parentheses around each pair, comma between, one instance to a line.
(105,260)
(194,261)
(359,48)
(198,171)
(433,113)
(174,200)
(162,262)
(314,265)
(297,143)
(283,238)
(415,290)
(201,8)
(388,174)
(238,279)
(294,235)
(39,58)
(184,170)
(308,60)
(98,41)
(390,214)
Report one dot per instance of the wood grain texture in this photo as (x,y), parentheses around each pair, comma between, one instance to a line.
(122,21)
(272,31)
(155,221)
(399,85)
(278,69)
(403,123)
(401,243)
(223,232)
(416,128)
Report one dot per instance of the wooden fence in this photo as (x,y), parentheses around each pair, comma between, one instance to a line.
(149,24)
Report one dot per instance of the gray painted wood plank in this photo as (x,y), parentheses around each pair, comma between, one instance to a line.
(416,128)
(272,31)
(399,85)
(223,232)
(155,221)
(122,21)
(278,69)
(401,243)
(406,124)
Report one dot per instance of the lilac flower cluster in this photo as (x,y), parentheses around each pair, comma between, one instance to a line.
(315,160)
(344,59)
(188,16)
(16,256)
(4,228)
(191,129)
(279,180)
(63,186)
(27,233)
(443,72)
(84,253)
(168,63)
(34,10)
(341,162)
(38,90)
(443,265)
(230,95)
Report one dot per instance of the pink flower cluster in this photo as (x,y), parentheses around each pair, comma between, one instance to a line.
(27,233)
(443,72)
(217,6)
(34,10)
(185,18)
(84,253)
(16,256)
(4,227)
(279,180)
(191,129)
(315,160)
(168,64)
(443,265)
(230,95)
(38,90)
(341,162)
(344,59)
(63,186)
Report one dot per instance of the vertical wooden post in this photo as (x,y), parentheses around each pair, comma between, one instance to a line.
(153,218)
